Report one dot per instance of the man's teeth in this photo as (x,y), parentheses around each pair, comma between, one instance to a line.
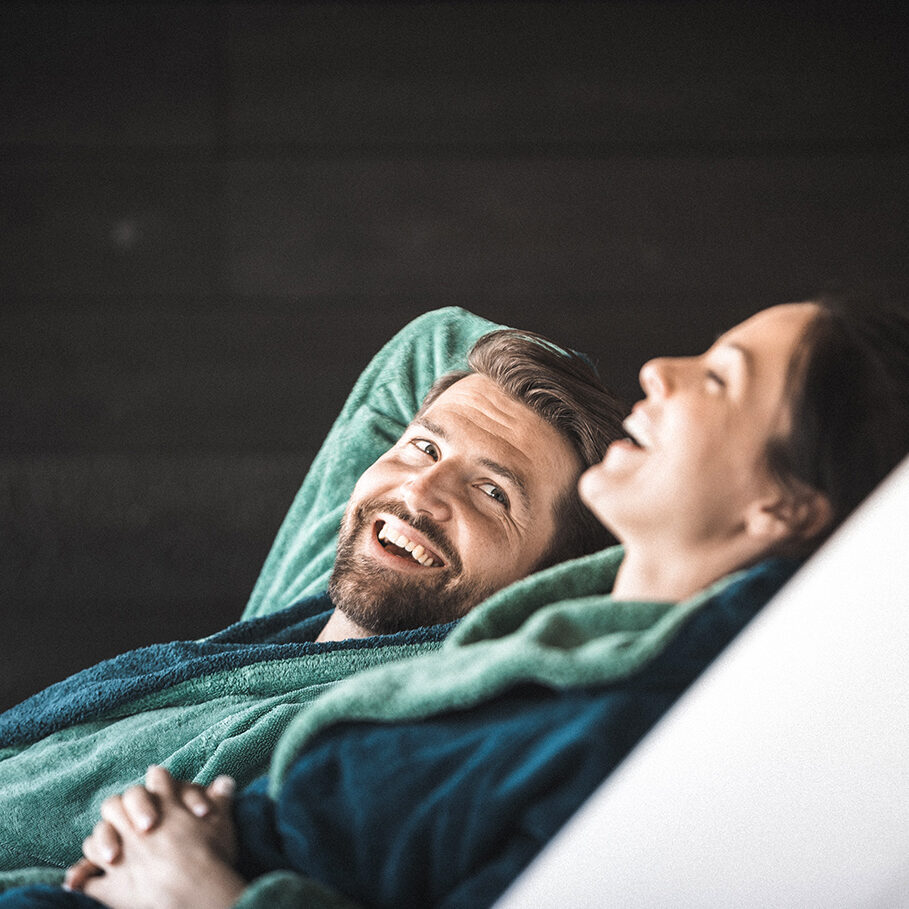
(415,549)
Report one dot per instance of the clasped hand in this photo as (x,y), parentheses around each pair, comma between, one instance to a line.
(164,845)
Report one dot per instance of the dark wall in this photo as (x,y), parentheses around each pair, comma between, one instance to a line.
(214,213)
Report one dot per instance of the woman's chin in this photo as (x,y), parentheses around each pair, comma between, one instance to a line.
(593,492)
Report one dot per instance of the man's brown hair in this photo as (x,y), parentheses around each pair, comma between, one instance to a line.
(562,388)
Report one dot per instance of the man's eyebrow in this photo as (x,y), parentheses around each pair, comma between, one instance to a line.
(495,467)
(516,479)
(432,426)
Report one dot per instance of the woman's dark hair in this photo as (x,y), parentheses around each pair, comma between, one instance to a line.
(849,404)
(562,388)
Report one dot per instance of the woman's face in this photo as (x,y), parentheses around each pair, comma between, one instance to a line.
(695,461)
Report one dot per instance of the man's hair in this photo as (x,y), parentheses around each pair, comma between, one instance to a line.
(849,405)
(562,388)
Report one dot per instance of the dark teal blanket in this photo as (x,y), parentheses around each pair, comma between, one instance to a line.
(434,782)
(100,690)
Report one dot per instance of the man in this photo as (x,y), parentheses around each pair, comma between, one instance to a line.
(478,490)
(440,778)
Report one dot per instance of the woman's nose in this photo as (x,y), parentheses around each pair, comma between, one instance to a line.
(656,377)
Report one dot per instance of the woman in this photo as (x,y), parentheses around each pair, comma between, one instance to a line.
(436,782)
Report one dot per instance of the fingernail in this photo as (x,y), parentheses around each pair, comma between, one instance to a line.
(225,785)
(145,821)
(200,809)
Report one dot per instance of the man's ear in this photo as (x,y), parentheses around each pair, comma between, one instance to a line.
(792,517)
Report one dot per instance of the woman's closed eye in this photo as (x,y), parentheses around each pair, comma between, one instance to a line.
(715,379)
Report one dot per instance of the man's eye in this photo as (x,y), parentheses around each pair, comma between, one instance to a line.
(494,492)
(427,447)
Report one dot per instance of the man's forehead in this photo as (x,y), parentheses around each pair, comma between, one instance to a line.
(477,403)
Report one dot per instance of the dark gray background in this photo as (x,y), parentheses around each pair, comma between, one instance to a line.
(213,214)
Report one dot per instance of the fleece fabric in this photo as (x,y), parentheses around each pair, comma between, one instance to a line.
(169,674)
(441,797)
(442,778)
(220,705)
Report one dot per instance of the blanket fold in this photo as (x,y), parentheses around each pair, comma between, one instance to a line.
(560,628)
(134,679)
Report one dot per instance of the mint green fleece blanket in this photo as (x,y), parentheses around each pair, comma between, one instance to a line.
(230,720)
(560,628)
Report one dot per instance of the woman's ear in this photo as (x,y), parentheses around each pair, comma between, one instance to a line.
(794,517)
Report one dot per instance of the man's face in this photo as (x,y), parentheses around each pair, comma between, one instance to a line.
(698,459)
(459,508)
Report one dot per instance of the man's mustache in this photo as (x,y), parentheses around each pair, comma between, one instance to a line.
(423,523)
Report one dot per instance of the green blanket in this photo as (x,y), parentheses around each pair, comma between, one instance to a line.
(229,721)
(560,628)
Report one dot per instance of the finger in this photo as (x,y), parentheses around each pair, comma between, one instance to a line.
(159,781)
(196,799)
(222,787)
(114,813)
(76,875)
(141,808)
(100,847)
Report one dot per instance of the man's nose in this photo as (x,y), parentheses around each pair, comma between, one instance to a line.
(430,491)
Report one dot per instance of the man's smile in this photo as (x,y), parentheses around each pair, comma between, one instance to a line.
(405,543)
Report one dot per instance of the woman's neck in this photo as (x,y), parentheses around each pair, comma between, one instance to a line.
(674,574)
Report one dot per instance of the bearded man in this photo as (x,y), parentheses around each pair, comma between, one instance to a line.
(479,490)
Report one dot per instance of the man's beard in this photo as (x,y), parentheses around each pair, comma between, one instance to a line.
(383,601)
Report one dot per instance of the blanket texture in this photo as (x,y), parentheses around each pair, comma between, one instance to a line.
(220,705)
(468,760)
(219,720)
(560,628)
(100,690)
